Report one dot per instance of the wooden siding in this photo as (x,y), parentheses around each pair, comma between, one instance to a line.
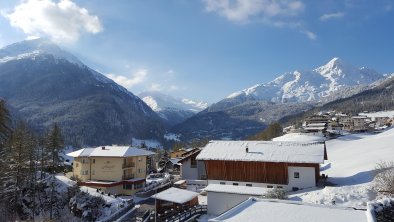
(258,172)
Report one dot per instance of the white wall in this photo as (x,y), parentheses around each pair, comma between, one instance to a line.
(241,183)
(219,203)
(306,179)
(187,172)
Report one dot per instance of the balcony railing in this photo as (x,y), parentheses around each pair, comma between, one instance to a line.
(128,177)
(128,165)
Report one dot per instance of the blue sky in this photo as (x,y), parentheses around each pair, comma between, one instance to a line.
(206,49)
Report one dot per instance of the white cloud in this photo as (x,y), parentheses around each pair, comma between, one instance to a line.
(310,34)
(242,11)
(60,21)
(155,87)
(129,81)
(336,15)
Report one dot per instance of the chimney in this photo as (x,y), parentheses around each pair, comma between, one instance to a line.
(103,147)
(247,149)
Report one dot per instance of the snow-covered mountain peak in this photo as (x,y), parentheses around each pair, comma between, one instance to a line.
(33,48)
(159,102)
(313,85)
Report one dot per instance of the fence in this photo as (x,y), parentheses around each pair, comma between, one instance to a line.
(118,213)
(179,216)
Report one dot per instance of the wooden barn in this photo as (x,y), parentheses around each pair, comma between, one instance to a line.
(264,163)
(255,166)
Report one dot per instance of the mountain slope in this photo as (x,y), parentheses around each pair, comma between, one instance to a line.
(171,110)
(379,97)
(314,85)
(45,84)
(289,94)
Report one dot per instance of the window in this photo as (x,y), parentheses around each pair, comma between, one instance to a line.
(139,159)
(139,170)
(138,186)
(223,183)
(235,184)
(93,172)
(193,162)
(127,186)
(84,172)
(296,174)
(94,160)
(83,161)
(279,187)
(76,165)
(270,186)
(249,185)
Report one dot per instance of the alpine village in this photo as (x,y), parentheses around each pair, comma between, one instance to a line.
(82,139)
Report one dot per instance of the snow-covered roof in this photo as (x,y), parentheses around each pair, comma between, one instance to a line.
(174,161)
(359,117)
(264,151)
(110,151)
(81,152)
(288,211)
(244,190)
(317,124)
(176,195)
(301,137)
(314,128)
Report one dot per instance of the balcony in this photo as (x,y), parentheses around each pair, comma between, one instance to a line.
(128,165)
(128,177)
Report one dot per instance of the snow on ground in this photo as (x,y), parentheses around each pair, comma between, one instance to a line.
(148,143)
(379,114)
(172,136)
(301,137)
(116,203)
(351,162)
(64,182)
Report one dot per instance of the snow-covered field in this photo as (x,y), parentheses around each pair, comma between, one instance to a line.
(379,114)
(148,143)
(351,163)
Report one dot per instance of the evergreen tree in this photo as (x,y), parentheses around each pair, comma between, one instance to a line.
(54,145)
(4,134)
(19,178)
(272,131)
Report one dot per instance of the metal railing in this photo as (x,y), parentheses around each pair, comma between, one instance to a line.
(181,215)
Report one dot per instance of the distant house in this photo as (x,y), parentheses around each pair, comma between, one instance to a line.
(177,153)
(315,127)
(114,169)
(173,166)
(239,169)
(317,119)
(360,123)
(346,121)
(191,168)
(289,211)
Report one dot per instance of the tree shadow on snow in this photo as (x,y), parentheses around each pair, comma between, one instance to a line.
(359,178)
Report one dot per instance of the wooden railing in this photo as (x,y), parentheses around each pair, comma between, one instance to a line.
(128,165)
(128,177)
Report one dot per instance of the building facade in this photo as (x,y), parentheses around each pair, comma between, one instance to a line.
(114,169)
(191,168)
(237,170)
